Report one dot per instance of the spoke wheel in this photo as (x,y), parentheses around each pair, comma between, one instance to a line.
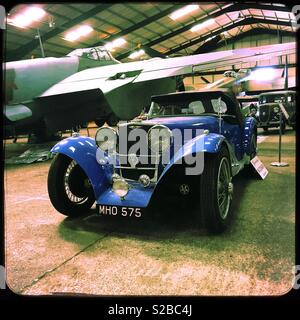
(216,191)
(224,190)
(76,183)
(69,188)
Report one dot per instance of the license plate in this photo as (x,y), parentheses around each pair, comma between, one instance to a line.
(132,212)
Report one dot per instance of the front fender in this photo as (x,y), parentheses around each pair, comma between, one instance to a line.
(139,196)
(210,143)
(250,128)
(83,150)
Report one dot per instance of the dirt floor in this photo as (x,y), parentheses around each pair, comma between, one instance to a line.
(47,253)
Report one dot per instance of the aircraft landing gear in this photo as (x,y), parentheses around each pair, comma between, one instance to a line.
(100,122)
(112,120)
(40,135)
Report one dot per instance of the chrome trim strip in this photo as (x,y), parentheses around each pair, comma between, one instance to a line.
(155,168)
(145,168)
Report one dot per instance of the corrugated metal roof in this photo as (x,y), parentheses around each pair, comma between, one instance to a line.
(139,24)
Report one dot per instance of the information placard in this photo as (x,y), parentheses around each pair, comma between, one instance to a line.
(259,167)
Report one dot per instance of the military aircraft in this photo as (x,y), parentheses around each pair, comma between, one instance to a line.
(27,79)
(121,90)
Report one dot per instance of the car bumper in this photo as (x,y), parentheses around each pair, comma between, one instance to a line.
(269,124)
(137,196)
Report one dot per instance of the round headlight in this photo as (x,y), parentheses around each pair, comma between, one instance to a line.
(276,109)
(120,187)
(106,138)
(159,138)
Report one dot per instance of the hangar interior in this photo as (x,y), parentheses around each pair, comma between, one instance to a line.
(48,253)
(150,30)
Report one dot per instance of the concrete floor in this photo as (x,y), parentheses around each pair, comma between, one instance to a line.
(47,253)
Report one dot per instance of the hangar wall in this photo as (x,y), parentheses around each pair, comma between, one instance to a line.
(249,41)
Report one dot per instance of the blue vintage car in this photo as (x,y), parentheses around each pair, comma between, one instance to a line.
(189,147)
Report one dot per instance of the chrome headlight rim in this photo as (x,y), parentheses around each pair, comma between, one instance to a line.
(276,109)
(121,192)
(105,128)
(162,127)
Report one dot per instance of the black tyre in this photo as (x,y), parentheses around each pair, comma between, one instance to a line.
(99,122)
(40,134)
(76,128)
(253,152)
(112,120)
(69,189)
(253,146)
(266,129)
(216,191)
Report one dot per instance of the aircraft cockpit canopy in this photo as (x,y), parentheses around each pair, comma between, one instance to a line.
(95,53)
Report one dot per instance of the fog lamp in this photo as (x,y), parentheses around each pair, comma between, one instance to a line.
(120,187)
(144,180)
(114,177)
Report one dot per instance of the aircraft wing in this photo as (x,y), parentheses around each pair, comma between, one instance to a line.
(126,88)
(157,68)
(208,61)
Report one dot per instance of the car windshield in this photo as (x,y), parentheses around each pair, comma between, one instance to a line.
(247,104)
(272,98)
(186,107)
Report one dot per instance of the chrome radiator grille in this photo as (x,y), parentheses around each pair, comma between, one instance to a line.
(132,166)
(264,113)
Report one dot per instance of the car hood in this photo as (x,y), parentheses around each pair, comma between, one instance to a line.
(194,122)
